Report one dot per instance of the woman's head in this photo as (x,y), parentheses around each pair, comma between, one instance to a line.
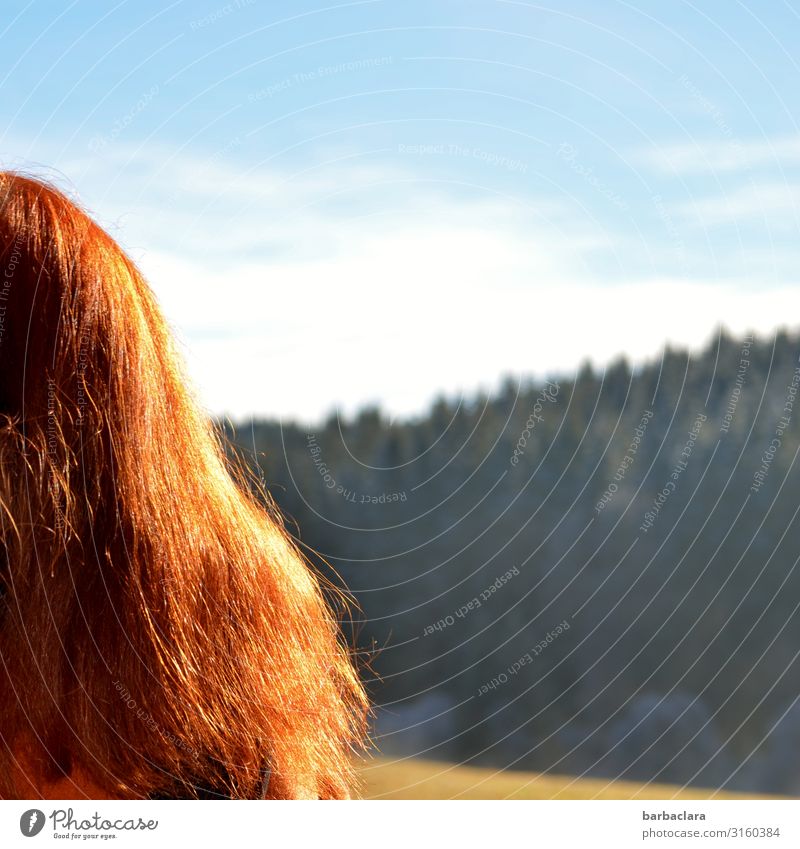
(158,628)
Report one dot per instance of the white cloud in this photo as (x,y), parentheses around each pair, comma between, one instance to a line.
(775,205)
(398,328)
(408,307)
(709,156)
(351,283)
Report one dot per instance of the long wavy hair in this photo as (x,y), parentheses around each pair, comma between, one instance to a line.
(159,630)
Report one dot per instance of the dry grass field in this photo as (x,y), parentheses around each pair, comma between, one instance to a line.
(418,779)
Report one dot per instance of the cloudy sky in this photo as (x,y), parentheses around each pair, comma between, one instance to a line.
(378,201)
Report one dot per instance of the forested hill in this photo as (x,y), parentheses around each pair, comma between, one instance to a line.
(595,574)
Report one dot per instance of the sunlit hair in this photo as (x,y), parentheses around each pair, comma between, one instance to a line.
(159,630)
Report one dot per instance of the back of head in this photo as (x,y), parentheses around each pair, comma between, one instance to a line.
(158,628)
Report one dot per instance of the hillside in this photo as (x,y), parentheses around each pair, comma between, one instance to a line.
(591,574)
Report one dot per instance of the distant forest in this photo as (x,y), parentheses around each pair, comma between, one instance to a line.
(593,574)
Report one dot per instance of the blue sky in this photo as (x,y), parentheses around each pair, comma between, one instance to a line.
(378,201)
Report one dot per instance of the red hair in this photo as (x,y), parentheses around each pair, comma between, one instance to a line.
(159,631)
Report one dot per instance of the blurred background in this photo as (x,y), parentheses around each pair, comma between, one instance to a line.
(500,300)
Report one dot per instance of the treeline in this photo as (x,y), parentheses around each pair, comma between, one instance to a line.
(592,574)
